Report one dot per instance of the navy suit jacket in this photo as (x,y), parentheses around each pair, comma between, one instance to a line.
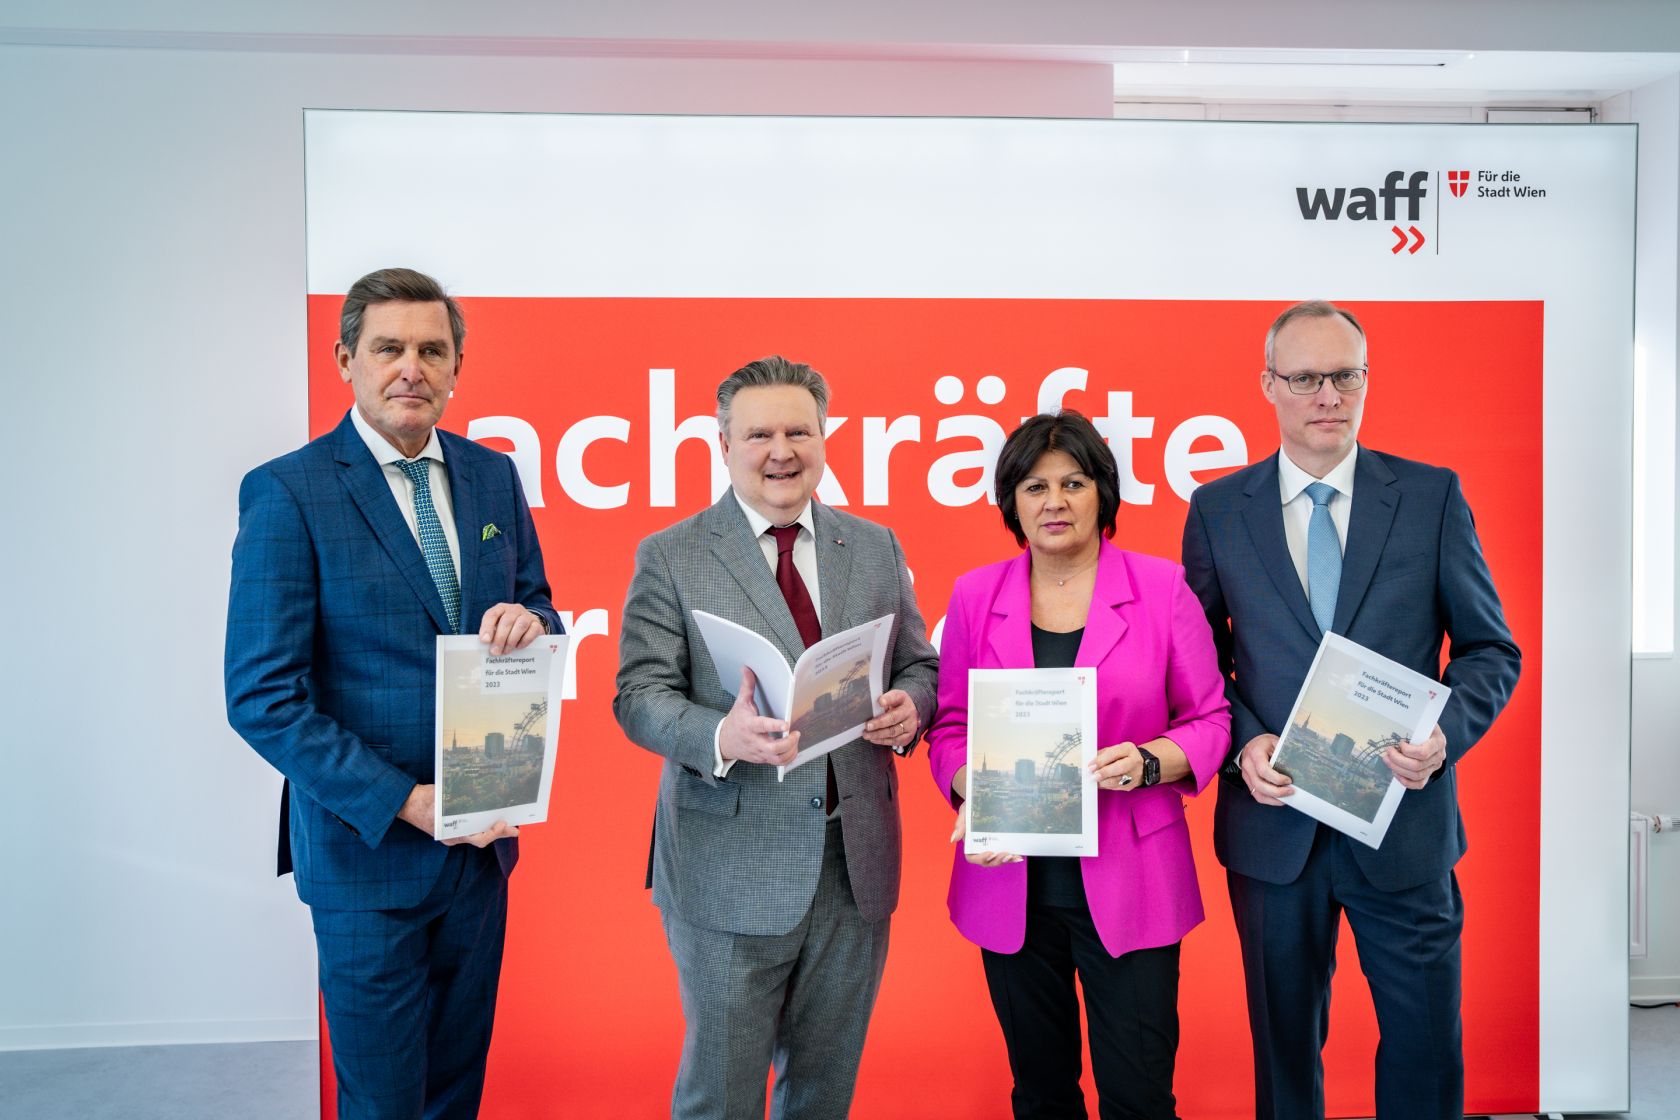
(1413,577)
(331,652)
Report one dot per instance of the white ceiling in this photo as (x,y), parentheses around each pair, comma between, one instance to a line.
(1465,51)
(1477,77)
(1073,29)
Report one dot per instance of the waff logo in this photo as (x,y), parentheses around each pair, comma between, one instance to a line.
(1360,203)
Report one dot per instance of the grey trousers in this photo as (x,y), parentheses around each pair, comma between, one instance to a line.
(799,1001)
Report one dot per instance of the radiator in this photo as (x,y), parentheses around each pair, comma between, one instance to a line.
(1639,885)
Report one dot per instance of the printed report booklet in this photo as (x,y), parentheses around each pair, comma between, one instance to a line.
(1354,705)
(1032,733)
(497,722)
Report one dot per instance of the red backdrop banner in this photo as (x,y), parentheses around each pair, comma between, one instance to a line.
(592,395)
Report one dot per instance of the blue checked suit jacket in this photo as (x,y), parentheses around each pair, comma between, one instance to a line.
(331,652)
(1413,579)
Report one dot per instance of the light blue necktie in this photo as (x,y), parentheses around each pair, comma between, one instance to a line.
(1324,556)
(434,546)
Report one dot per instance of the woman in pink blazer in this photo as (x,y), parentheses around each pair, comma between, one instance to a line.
(1115,919)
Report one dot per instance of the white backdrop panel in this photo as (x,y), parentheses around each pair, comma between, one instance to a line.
(542,205)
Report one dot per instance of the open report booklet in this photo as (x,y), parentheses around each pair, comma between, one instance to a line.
(497,722)
(1354,705)
(829,694)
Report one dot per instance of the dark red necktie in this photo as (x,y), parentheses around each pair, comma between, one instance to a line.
(793,588)
(804,613)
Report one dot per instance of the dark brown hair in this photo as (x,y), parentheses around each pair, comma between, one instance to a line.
(395,285)
(1067,431)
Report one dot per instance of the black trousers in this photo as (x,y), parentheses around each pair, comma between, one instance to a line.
(1131,1005)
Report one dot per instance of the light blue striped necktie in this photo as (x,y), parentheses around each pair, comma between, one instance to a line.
(1324,556)
(434,546)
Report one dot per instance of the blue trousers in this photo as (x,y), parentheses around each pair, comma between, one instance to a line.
(1408,945)
(410,994)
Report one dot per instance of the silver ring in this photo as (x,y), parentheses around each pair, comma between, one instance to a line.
(1125,779)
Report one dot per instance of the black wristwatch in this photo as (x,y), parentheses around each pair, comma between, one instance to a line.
(1151,768)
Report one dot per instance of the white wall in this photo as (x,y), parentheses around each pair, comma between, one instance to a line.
(1656,679)
(151,210)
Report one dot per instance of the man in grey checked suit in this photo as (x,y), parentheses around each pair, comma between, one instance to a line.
(776,896)
(354,553)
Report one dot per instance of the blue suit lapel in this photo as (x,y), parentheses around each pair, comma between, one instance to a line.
(365,482)
(468,530)
(1369,521)
(1263,513)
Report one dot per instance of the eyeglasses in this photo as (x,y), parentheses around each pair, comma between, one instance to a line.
(1305,384)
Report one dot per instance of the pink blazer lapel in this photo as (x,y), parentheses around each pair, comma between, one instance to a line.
(1103,625)
(1010,634)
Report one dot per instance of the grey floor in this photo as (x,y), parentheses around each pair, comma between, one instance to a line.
(1654,1062)
(245,1081)
(277,1080)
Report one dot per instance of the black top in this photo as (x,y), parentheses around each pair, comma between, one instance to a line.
(1055,880)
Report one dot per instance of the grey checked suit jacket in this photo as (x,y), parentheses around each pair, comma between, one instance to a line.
(742,854)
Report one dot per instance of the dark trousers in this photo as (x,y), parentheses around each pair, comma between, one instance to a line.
(1408,944)
(1131,1007)
(410,994)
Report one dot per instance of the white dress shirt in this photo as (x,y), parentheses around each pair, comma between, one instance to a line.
(804,546)
(403,490)
(804,562)
(1298,505)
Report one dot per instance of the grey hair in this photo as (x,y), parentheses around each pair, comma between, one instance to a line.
(1308,309)
(395,285)
(771,371)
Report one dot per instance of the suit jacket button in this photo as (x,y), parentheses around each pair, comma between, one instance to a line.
(816,803)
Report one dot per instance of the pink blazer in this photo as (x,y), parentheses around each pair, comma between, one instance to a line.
(1156,675)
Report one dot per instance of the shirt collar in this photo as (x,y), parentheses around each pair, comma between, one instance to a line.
(381,448)
(1292,479)
(761,524)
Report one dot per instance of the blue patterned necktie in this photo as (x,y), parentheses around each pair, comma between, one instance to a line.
(434,546)
(1324,556)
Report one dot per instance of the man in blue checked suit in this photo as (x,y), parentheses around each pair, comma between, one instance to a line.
(354,553)
(1329,535)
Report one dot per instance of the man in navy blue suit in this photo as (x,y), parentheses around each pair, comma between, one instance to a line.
(1329,535)
(354,553)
